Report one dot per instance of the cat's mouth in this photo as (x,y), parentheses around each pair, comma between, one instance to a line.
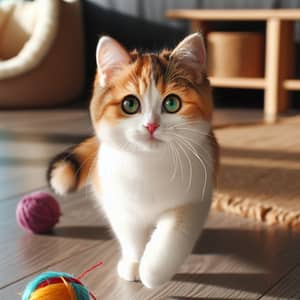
(154,139)
(148,142)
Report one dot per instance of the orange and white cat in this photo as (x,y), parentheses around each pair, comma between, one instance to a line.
(155,154)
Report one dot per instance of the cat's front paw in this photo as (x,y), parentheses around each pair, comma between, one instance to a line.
(128,270)
(152,278)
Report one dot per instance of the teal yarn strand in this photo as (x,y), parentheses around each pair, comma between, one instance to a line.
(81,292)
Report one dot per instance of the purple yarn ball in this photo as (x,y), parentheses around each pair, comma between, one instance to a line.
(38,212)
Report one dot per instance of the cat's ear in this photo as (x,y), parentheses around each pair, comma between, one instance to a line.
(190,54)
(111,57)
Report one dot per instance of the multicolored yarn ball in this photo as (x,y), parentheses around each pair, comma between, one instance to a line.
(38,212)
(59,286)
(56,286)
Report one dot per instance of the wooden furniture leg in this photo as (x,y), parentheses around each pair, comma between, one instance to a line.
(198,26)
(278,66)
(286,59)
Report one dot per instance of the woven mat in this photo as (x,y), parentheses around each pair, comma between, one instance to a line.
(260,172)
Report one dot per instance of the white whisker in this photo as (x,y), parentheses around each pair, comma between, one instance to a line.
(194,132)
(179,161)
(208,156)
(190,165)
(200,159)
(174,162)
(192,149)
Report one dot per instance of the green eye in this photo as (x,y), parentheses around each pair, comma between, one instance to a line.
(172,104)
(130,105)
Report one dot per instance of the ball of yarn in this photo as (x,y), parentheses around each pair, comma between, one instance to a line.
(38,212)
(55,286)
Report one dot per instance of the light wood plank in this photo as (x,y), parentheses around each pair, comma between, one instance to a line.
(244,83)
(272,69)
(279,53)
(292,84)
(233,14)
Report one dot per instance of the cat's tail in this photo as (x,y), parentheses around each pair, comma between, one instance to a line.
(70,170)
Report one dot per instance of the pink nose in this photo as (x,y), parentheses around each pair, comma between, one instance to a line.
(151,127)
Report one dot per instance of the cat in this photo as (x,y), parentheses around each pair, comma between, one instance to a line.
(153,159)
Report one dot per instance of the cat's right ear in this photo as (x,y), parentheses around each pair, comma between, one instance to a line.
(111,57)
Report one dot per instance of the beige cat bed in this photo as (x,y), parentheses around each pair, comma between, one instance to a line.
(41,53)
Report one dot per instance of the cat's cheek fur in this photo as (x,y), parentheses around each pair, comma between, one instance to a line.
(110,133)
(115,134)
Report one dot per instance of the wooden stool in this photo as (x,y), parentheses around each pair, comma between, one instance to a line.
(277,81)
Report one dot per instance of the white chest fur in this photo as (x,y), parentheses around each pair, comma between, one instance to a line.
(150,183)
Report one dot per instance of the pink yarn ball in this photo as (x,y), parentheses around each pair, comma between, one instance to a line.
(38,212)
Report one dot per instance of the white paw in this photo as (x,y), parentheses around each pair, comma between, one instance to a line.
(128,270)
(152,278)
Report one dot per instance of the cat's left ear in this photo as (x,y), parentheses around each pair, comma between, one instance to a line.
(190,54)
(111,56)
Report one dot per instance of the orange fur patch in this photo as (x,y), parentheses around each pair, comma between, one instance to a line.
(86,154)
(132,80)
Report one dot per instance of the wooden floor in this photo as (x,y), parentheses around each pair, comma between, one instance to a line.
(234,258)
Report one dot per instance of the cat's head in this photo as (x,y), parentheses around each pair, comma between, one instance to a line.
(149,101)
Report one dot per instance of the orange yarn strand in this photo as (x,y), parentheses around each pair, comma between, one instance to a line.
(53,292)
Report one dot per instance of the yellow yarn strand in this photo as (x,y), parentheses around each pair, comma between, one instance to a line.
(57,291)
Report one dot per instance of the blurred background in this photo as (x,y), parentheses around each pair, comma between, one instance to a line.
(136,24)
(250,246)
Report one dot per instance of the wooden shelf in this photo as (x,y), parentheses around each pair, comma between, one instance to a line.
(292,84)
(234,14)
(279,54)
(238,82)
